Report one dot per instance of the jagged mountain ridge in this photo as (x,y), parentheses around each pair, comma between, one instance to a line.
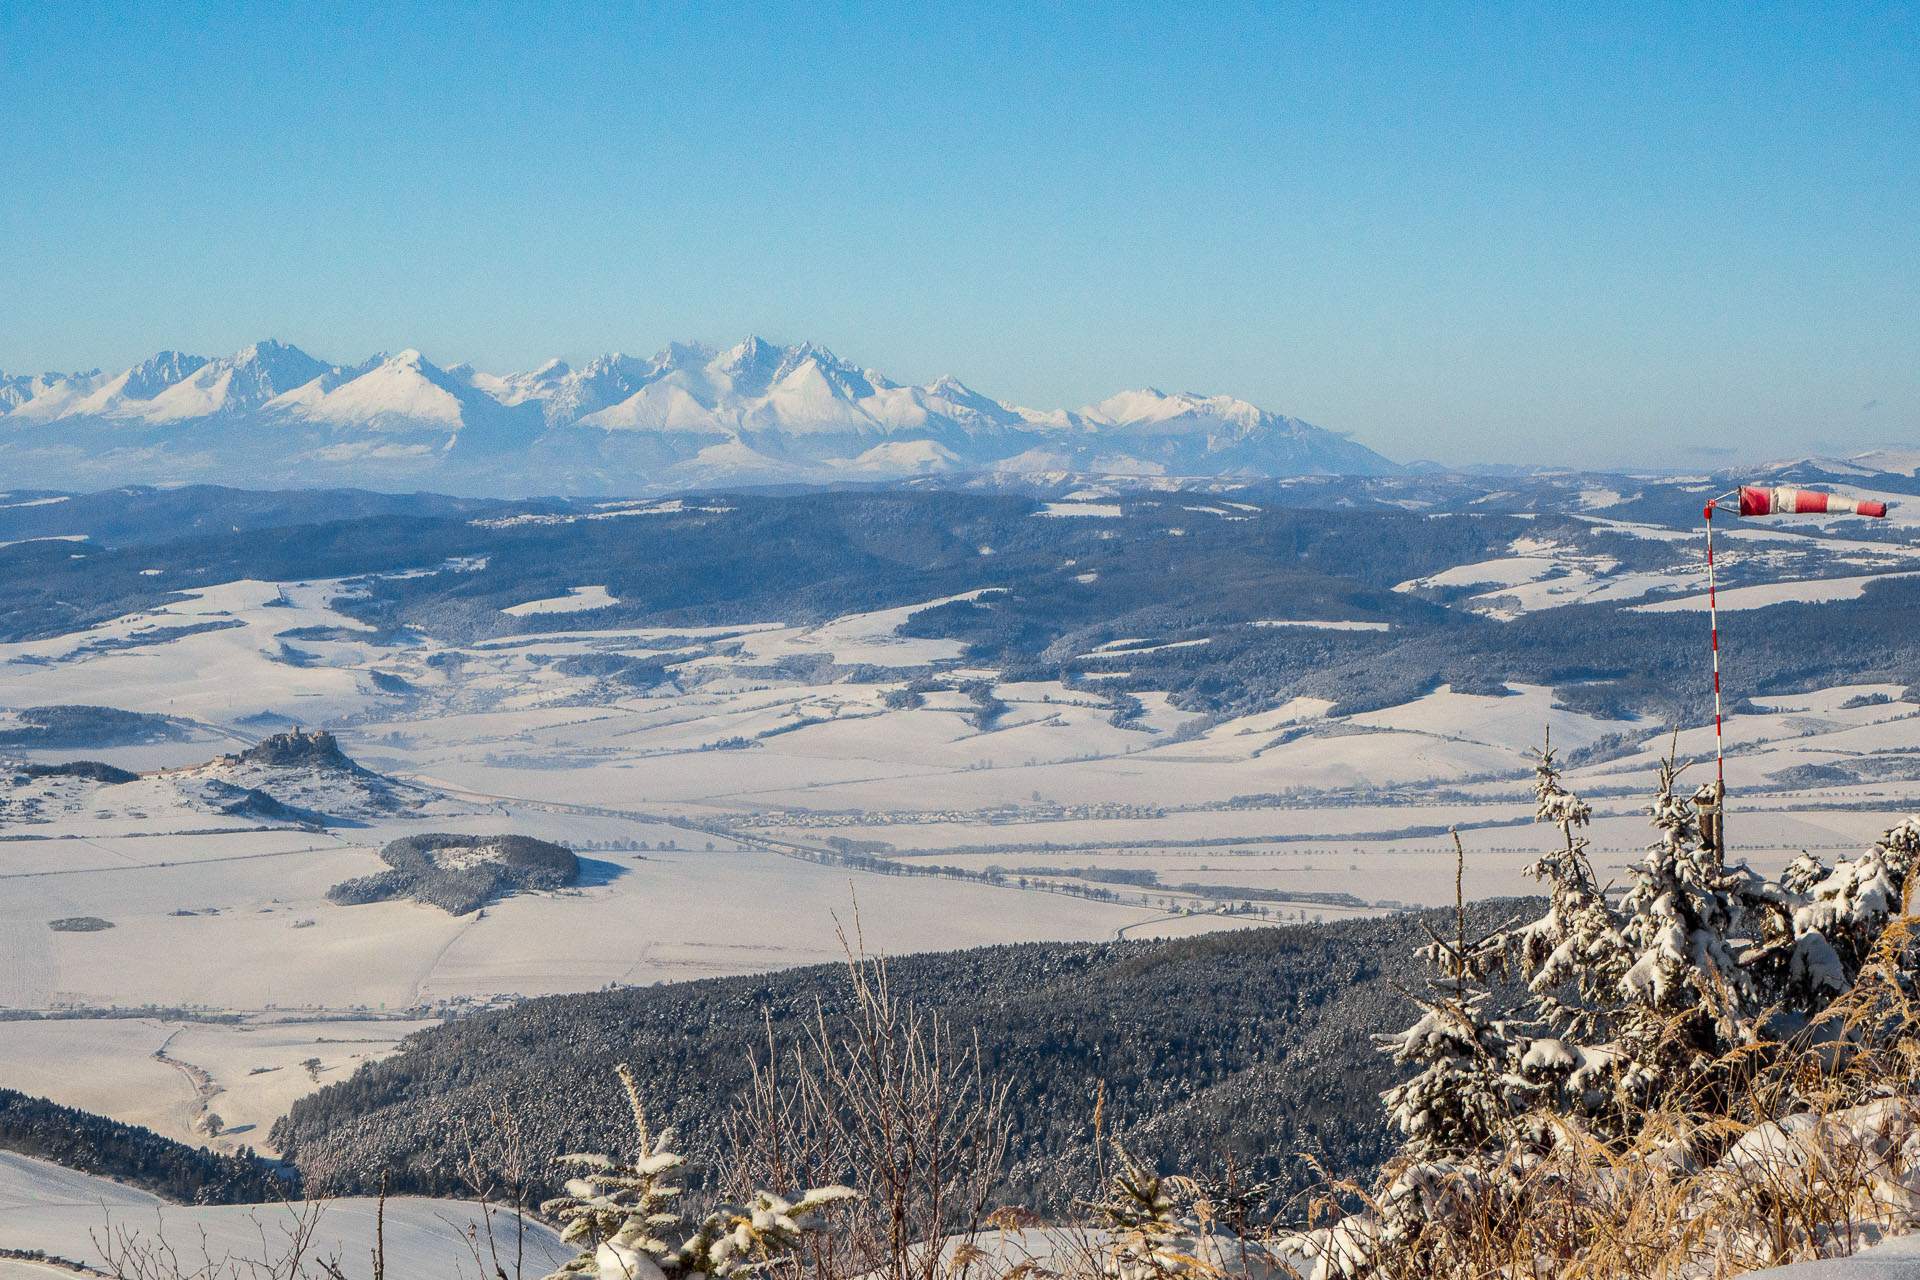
(273,415)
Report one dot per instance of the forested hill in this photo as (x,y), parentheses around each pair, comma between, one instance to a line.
(1228,605)
(138,1157)
(1253,1043)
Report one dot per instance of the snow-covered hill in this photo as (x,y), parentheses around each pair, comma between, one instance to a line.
(273,415)
(294,779)
(74,1215)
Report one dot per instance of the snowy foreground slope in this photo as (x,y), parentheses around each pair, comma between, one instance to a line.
(57,1211)
(271,414)
(1896,1259)
(71,1215)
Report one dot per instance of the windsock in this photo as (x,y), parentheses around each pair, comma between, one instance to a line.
(1758,501)
(1755,501)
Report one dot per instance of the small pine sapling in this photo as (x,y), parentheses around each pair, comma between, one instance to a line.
(623,1216)
(1150,1240)
(1575,952)
(1459,1117)
(1466,1091)
(1576,955)
(1689,999)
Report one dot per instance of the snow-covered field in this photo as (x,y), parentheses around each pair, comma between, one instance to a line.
(1759,597)
(73,1216)
(1798,563)
(722,817)
(577,600)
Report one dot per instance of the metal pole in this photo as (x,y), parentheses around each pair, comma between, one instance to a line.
(1713,616)
(1715,816)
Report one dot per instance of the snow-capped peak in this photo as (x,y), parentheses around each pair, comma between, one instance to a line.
(516,388)
(403,388)
(18,390)
(751,366)
(618,423)
(1150,405)
(155,374)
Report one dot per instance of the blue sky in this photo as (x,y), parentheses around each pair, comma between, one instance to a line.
(1632,234)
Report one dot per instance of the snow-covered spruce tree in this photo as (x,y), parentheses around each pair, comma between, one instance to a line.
(1575,955)
(1636,1003)
(1467,1091)
(1457,1117)
(1689,998)
(1804,938)
(1840,914)
(1575,952)
(1149,1238)
(624,1219)
(1661,1007)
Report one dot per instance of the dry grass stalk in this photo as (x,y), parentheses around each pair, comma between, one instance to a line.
(892,1104)
(130,1253)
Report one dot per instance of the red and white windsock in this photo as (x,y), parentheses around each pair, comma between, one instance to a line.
(1755,501)
(1758,501)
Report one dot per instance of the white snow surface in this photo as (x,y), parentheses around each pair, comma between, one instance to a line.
(58,1211)
(577,600)
(1099,510)
(1897,1258)
(1321,624)
(1759,597)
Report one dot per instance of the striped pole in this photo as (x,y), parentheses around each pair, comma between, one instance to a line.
(1716,818)
(1755,500)
(1713,617)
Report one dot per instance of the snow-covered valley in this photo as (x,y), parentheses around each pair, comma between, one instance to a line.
(169,956)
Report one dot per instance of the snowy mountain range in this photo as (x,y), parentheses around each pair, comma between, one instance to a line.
(271,415)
